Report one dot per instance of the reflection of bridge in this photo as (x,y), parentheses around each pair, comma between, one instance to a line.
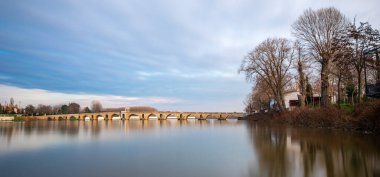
(142,115)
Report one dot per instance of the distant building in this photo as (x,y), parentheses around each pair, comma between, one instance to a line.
(292,100)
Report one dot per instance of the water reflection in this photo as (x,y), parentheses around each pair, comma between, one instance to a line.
(48,132)
(283,151)
(220,148)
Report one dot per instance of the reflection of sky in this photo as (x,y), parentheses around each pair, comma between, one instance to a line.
(181,55)
(129,148)
(49,134)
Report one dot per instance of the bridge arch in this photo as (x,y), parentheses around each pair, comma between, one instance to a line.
(191,116)
(228,116)
(60,118)
(100,117)
(171,116)
(134,116)
(73,118)
(115,116)
(152,116)
(86,117)
(205,116)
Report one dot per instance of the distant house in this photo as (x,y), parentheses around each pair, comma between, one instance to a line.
(291,100)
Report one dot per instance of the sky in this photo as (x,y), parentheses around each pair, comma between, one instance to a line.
(172,55)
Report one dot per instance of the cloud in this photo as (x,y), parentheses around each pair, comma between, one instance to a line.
(40,96)
(213,74)
(162,49)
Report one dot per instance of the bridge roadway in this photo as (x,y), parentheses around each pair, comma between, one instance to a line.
(143,115)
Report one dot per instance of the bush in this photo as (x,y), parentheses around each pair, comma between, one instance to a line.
(18,119)
(331,117)
(364,117)
(367,116)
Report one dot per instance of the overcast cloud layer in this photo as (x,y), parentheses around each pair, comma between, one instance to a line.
(174,55)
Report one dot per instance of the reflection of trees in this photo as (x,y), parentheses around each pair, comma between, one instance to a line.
(31,129)
(6,131)
(332,153)
(270,145)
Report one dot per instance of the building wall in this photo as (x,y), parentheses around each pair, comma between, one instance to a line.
(290,96)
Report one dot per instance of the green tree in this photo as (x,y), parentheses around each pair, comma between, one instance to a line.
(64,109)
(309,92)
(86,110)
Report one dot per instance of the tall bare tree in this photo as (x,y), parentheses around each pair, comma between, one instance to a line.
(270,61)
(315,29)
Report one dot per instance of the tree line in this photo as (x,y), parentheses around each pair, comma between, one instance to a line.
(344,55)
(71,108)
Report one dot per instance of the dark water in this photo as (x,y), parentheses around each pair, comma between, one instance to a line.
(173,148)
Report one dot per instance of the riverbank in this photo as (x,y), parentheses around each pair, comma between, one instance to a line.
(364,117)
(6,118)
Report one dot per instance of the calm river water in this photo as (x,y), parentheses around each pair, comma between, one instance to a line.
(189,148)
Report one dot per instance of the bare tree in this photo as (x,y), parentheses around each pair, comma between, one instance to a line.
(12,101)
(270,61)
(315,29)
(249,104)
(356,44)
(96,106)
(44,109)
(56,109)
(259,98)
(73,108)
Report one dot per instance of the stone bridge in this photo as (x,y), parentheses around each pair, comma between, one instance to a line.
(142,115)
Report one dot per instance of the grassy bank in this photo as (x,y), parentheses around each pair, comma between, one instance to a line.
(18,119)
(364,117)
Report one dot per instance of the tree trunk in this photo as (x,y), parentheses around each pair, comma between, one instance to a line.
(359,86)
(339,94)
(301,99)
(280,101)
(378,68)
(325,83)
(302,84)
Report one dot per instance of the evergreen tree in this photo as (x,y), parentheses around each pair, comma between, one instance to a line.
(309,91)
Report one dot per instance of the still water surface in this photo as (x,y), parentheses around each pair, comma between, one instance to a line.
(188,148)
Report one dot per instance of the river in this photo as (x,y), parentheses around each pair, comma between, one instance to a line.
(182,148)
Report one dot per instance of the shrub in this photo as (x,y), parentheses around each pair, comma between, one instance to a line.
(367,116)
(315,117)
